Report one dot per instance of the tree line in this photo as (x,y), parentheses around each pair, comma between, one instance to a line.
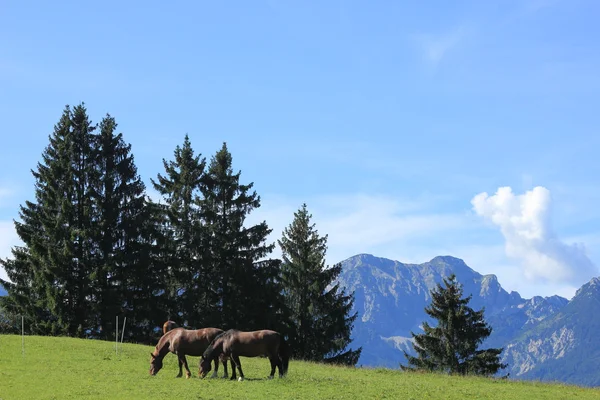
(95,245)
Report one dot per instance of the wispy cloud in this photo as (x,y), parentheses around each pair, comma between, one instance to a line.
(436,47)
(5,195)
(8,239)
(533,6)
(361,223)
(525,223)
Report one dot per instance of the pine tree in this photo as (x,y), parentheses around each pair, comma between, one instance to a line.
(244,282)
(452,346)
(183,231)
(319,310)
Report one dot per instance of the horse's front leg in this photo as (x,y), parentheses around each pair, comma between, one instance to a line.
(233,371)
(239,366)
(182,358)
(214,375)
(180,374)
(224,361)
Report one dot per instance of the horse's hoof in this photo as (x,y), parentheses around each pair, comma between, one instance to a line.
(270,377)
(241,378)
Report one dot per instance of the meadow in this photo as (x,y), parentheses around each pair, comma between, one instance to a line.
(67,368)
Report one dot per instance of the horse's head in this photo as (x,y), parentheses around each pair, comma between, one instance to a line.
(204,367)
(155,364)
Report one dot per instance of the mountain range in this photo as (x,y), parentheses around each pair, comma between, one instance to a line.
(544,338)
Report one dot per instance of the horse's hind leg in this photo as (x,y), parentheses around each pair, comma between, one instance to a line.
(273,365)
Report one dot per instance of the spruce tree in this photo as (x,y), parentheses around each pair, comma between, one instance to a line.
(243,279)
(50,273)
(183,230)
(452,346)
(319,309)
(126,277)
(88,238)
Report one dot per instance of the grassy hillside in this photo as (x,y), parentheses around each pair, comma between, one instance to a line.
(65,368)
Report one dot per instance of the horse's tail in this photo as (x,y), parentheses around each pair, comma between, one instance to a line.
(284,354)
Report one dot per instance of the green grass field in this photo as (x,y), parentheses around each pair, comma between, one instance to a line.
(65,368)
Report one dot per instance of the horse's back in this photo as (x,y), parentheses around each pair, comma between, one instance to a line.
(255,343)
(194,342)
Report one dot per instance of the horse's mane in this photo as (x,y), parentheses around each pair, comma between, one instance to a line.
(218,339)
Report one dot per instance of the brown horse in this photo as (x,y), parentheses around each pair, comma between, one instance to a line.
(169,325)
(234,343)
(182,342)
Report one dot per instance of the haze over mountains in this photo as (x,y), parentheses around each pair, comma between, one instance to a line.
(547,338)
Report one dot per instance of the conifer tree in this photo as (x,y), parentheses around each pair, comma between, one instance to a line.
(88,238)
(126,277)
(50,274)
(183,229)
(243,280)
(452,346)
(319,309)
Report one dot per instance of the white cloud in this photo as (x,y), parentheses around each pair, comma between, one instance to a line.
(525,223)
(435,47)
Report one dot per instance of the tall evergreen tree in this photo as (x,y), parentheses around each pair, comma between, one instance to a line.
(243,279)
(452,346)
(50,274)
(181,186)
(319,310)
(88,238)
(127,278)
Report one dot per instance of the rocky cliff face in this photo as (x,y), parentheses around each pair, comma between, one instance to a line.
(563,347)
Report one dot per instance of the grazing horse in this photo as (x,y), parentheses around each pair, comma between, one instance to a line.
(182,342)
(169,325)
(234,343)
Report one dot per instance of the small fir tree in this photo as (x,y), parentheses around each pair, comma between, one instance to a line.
(452,346)
(320,311)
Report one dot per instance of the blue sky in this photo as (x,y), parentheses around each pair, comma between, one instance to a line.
(386,118)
